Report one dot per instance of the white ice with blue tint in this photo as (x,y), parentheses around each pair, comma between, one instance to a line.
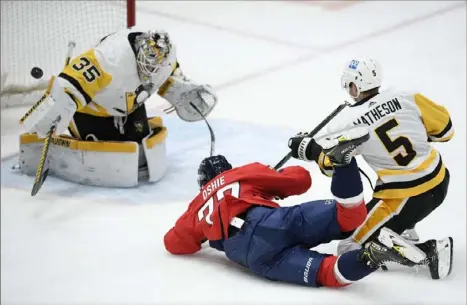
(187,144)
(276,67)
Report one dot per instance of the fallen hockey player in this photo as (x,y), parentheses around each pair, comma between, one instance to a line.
(234,211)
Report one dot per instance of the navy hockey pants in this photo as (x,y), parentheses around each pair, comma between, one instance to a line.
(275,243)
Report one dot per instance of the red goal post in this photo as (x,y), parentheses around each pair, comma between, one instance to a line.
(36,33)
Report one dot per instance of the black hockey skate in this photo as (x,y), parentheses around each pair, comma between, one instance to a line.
(391,247)
(341,147)
(439,257)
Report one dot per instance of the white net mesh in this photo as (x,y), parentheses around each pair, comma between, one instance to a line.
(36,34)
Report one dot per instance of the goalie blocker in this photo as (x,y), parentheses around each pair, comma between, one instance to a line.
(100,163)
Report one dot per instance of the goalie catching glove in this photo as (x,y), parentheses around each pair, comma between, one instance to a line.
(182,93)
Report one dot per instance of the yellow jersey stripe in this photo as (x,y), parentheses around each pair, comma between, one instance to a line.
(411,188)
(435,117)
(423,166)
(413,191)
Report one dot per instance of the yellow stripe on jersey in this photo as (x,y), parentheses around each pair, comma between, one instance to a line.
(436,119)
(99,146)
(411,188)
(422,167)
(381,213)
(431,176)
(86,74)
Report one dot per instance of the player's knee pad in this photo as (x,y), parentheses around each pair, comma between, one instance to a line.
(154,149)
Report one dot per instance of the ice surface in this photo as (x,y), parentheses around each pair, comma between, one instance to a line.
(276,66)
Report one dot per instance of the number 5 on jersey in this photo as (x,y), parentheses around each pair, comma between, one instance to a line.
(213,202)
(392,145)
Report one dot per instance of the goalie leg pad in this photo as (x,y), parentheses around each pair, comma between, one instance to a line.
(109,164)
(155,122)
(155,151)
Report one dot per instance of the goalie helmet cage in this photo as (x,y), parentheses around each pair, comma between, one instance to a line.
(36,34)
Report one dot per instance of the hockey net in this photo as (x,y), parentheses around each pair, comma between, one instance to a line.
(36,34)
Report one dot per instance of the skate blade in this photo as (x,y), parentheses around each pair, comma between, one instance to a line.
(444,248)
(392,240)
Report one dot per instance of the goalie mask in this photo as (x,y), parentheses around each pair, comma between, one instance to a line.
(211,167)
(155,57)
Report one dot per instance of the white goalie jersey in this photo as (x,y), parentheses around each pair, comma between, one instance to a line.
(402,125)
(104,81)
(115,77)
(112,80)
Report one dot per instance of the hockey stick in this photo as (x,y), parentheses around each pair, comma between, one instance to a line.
(213,137)
(43,166)
(314,131)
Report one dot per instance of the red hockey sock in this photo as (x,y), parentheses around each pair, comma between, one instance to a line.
(349,218)
(326,276)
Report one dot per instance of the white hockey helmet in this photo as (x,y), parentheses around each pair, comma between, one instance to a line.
(155,56)
(365,73)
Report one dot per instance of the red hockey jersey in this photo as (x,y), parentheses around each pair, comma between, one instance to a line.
(227,195)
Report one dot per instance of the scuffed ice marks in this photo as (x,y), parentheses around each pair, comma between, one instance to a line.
(187,145)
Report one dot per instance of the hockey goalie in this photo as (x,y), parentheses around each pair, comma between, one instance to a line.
(99,97)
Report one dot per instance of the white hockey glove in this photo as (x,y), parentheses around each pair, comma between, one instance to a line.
(55,108)
(182,93)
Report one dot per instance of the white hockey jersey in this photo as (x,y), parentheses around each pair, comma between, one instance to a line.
(104,81)
(402,125)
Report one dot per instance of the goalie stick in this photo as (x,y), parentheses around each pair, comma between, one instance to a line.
(211,132)
(43,166)
(315,131)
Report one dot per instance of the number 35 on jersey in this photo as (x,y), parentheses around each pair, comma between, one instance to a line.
(86,75)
